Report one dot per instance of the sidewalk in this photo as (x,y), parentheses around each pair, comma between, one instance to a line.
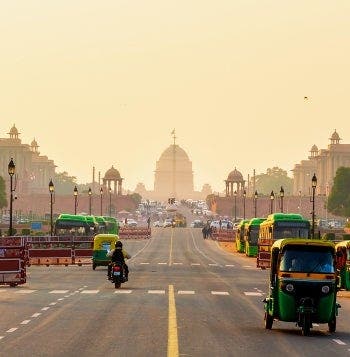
(343,294)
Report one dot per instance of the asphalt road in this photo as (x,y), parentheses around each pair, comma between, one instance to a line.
(185,296)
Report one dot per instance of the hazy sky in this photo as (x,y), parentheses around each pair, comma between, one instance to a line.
(105,82)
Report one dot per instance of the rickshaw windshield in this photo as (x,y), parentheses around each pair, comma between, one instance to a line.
(254,234)
(291,232)
(307,259)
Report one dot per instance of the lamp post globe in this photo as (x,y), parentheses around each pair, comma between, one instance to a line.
(11,172)
(90,198)
(101,194)
(272,198)
(282,195)
(75,191)
(51,190)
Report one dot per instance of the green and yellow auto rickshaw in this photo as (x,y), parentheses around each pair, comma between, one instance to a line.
(303,284)
(251,235)
(240,235)
(102,244)
(343,263)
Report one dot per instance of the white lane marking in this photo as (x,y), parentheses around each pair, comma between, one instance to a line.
(147,244)
(60,299)
(247,266)
(252,293)
(25,322)
(13,329)
(185,292)
(80,289)
(53,303)
(193,264)
(156,291)
(24,291)
(220,293)
(67,296)
(123,292)
(229,265)
(90,291)
(36,314)
(85,286)
(162,263)
(213,265)
(1,337)
(339,342)
(45,308)
(59,291)
(177,263)
(144,263)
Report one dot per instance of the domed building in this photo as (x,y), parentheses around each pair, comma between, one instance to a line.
(324,163)
(234,180)
(173,174)
(112,180)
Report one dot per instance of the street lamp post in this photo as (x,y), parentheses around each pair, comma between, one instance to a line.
(90,197)
(51,190)
(110,202)
(244,194)
(255,203)
(282,195)
(75,199)
(235,210)
(314,184)
(272,198)
(101,193)
(11,171)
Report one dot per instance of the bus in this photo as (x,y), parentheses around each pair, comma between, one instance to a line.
(70,224)
(240,235)
(251,234)
(277,226)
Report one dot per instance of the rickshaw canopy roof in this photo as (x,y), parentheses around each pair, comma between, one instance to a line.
(100,238)
(344,243)
(281,243)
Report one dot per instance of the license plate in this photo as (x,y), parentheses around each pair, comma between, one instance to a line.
(116,273)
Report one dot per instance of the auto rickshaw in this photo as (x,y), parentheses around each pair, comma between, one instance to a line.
(240,244)
(303,284)
(102,244)
(343,263)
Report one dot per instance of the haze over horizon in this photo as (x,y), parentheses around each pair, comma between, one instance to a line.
(102,84)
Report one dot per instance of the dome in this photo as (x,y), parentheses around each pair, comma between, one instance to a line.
(314,148)
(235,176)
(112,174)
(335,136)
(179,153)
(13,131)
(34,144)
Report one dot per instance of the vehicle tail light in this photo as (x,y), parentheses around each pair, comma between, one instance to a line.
(116,268)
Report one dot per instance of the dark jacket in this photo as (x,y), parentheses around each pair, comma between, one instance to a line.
(118,256)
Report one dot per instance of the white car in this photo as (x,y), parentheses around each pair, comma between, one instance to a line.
(224,224)
(157,224)
(168,222)
(131,223)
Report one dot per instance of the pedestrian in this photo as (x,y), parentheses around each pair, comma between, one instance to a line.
(220,224)
(204,232)
(149,222)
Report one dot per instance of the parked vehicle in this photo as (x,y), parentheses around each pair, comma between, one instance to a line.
(197,223)
(240,235)
(277,226)
(343,263)
(251,234)
(303,284)
(168,222)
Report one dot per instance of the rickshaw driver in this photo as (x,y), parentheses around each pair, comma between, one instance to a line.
(118,256)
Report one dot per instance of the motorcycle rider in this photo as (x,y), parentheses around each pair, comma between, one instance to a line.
(118,256)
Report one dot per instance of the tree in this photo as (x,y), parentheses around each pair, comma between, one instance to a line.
(272,181)
(64,184)
(339,199)
(136,197)
(3,200)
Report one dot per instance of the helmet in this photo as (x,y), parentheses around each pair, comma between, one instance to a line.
(119,244)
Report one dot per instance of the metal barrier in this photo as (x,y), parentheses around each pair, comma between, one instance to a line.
(12,261)
(224,235)
(134,233)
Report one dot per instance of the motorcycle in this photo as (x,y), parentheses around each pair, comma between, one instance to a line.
(117,276)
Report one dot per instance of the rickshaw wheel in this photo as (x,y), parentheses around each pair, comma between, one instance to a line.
(117,285)
(268,321)
(306,325)
(332,325)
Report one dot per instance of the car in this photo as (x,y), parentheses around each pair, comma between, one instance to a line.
(197,223)
(130,222)
(168,223)
(224,224)
(157,224)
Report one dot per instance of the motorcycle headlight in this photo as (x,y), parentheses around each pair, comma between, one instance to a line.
(290,288)
(325,289)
